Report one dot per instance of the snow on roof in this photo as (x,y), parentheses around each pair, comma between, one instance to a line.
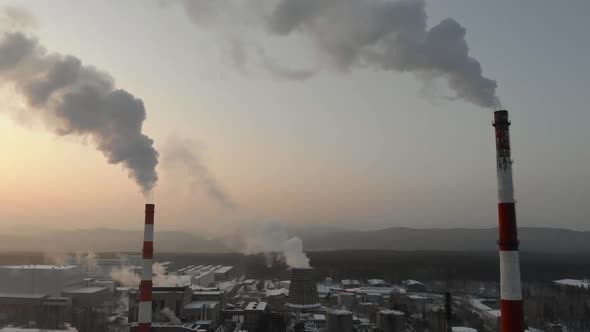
(277,292)
(18,329)
(84,290)
(391,312)
(22,296)
(494,313)
(339,312)
(259,306)
(410,282)
(224,269)
(573,282)
(200,304)
(376,281)
(39,267)
(463,329)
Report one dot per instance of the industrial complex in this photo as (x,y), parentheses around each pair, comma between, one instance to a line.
(136,293)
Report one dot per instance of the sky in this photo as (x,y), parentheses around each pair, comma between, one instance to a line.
(360,148)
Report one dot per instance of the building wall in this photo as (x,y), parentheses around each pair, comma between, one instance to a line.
(38,281)
(175,299)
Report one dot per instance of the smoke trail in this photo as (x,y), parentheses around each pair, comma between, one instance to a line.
(350,34)
(77,99)
(180,157)
(17,18)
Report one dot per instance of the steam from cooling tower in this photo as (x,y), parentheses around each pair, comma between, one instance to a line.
(273,238)
(350,34)
(77,99)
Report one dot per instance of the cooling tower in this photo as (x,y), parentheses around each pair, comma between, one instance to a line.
(339,321)
(303,292)
(145,288)
(512,318)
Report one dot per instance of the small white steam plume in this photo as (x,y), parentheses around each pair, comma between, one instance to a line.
(130,278)
(273,238)
(171,316)
(126,277)
(87,260)
(350,34)
(77,99)
(181,158)
(69,327)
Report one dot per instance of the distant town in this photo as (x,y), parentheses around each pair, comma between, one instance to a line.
(90,293)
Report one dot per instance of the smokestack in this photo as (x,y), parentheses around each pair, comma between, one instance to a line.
(449,311)
(512,319)
(145,289)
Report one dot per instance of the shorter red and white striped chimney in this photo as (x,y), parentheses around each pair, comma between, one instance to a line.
(145,288)
(512,317)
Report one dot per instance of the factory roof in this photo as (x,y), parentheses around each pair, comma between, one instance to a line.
(207,292)
(200,304)
(573,282)
(376,281)
(258,306)
(84,290)
(277,292)
(224,269)
(18,329)
(39,267)
(463,329)
(22,295)
(391,312)
(410,282)
(339,312)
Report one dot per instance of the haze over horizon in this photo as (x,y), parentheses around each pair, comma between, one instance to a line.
(359,148)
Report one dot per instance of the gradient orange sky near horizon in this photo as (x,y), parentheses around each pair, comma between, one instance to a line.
(364,149)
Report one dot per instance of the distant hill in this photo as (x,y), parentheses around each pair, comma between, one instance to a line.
(454,239)
(395,238)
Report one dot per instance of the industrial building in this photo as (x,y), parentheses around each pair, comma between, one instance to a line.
(173,298)
(252,313)
(39,279)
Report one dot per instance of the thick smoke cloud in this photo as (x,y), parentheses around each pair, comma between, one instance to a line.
(77,99)
(180,157)
(378,34)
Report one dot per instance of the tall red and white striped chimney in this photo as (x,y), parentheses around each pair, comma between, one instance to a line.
(512,319)
(145,288)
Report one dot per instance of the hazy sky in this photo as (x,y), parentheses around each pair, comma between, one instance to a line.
(363,149)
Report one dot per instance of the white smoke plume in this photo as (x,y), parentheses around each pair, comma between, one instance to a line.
(77,99)
(88,260)
(126,277)
(350,34)
(273,238)
(171,316)
(129,278)
(181,158)
(69,327)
